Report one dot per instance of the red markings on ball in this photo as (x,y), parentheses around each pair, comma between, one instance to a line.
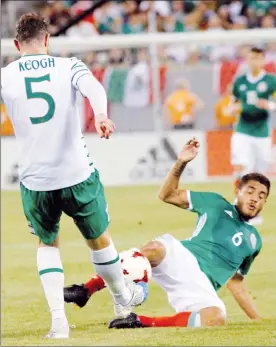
(137,254)
(144,279)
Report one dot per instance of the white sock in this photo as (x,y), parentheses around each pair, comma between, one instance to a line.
(108,266)
(194,320)
(52,278)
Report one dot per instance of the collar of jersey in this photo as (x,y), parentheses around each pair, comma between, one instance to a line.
(256,79)
(240,215)
(30,55)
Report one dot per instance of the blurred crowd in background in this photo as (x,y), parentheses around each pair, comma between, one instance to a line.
(126,74)
(130,17)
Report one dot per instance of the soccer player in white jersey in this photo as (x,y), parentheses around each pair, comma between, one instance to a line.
(55,169)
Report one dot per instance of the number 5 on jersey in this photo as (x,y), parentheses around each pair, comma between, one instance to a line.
(40,95)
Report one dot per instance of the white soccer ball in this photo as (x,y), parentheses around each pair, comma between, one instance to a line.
(136,266)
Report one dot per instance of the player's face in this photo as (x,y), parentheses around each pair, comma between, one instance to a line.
(251,199)
(256,61)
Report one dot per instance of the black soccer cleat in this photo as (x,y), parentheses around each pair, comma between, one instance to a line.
(76,294)
(130,322)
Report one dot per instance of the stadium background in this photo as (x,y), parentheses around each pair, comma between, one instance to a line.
(138,156)
(208,68)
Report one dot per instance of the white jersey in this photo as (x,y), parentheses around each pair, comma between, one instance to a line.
(39,92)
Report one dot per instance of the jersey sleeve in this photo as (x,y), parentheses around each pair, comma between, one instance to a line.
(274,87)
(200,201)
(245,266)
(78,69)
(235,90)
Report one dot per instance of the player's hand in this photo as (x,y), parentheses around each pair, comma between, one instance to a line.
(105,127)
(233,109)
(263,104)
(189,151)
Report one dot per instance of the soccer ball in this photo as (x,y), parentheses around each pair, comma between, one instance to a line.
(136,267)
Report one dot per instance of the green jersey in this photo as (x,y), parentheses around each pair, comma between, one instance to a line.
(261,7)
(247,89)
(222,242)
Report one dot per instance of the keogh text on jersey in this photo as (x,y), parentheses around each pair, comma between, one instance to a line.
(36,64)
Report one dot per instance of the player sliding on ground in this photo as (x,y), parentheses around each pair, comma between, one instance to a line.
(253,93)
(221,250)
(55,169)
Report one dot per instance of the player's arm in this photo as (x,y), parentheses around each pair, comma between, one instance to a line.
(170,191)
(269,105)
(238,289)
(90,88)
(235,105)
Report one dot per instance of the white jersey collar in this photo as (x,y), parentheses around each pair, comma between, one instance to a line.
(255,79)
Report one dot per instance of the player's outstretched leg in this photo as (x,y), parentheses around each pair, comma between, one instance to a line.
(79,294)
(52,278)
(211,316)
(107,264)
(155,251)
(86,204)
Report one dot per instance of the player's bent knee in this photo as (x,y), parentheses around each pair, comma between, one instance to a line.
(212,316)
(103,241)
(154,251)
(53,244)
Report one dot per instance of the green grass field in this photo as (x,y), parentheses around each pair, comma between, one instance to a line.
(137,216)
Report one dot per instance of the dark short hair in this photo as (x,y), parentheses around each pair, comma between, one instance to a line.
(257,50)
(254,176)
(31,26)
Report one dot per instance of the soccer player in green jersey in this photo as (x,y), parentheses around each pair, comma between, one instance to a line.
(251,142)
(221,250)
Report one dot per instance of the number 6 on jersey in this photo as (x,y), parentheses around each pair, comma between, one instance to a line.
(237,239)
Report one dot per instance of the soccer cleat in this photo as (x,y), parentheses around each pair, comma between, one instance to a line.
(139,295)
(61,333)
(130,322)
(76,294)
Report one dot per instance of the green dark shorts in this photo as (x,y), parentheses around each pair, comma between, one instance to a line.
(84,202)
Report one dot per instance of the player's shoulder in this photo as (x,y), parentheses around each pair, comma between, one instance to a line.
(62,60)
(219,197)
(209,197)
(8,71)
(224,204)
(76,62)
(11,66)
(270,77)
(240,78)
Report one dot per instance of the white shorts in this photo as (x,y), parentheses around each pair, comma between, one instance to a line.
(187,287)
(254,153)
